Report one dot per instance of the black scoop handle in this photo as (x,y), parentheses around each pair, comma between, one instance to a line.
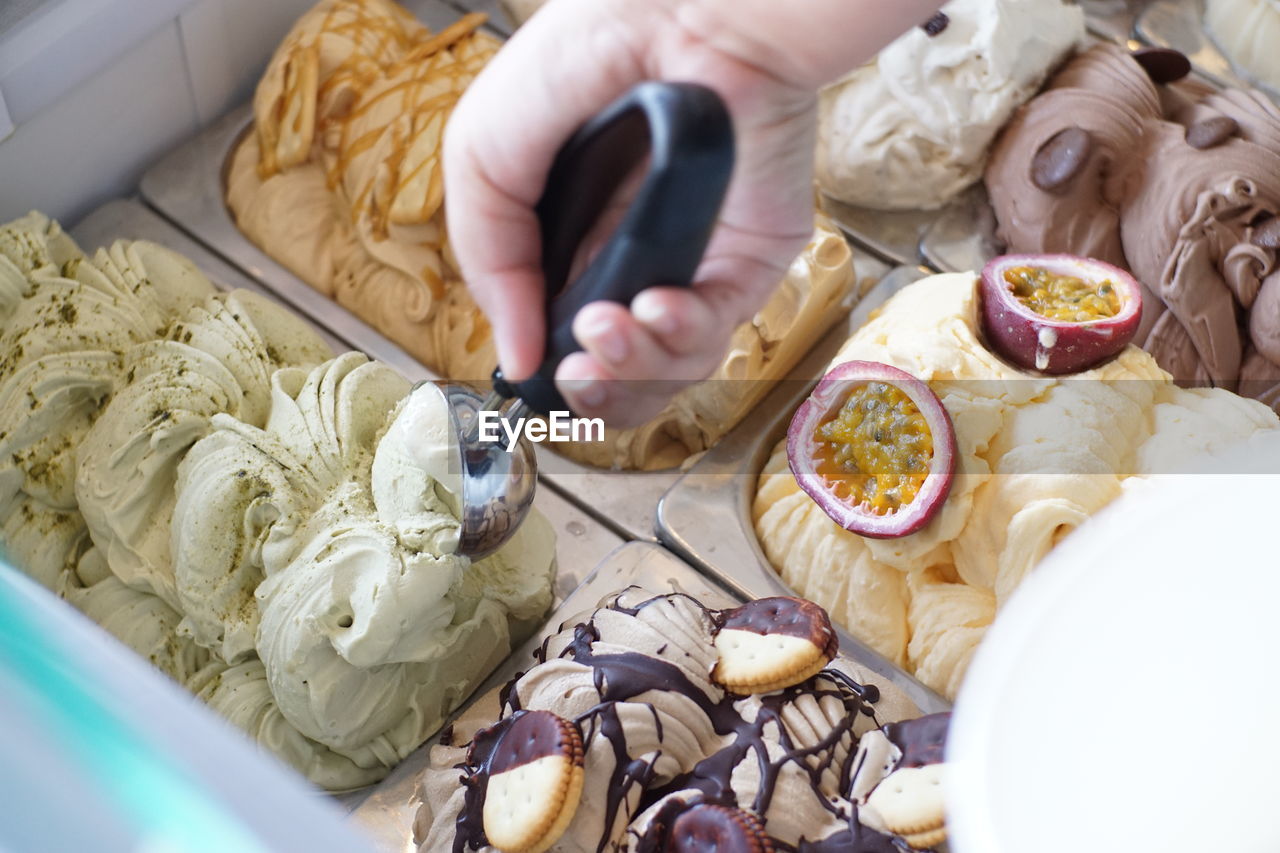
(687,133)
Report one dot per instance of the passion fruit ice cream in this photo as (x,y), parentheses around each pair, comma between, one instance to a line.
(340,181)
(668,759)
(1034,456)
(1123,160)
(911,129)
(272,527)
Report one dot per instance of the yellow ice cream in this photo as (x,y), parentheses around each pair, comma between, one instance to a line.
(341,182)
(1036,456)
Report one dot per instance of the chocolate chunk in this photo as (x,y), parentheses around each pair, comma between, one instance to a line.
(1061,159)
(717,829)
(922,740)
(1266,234)
(532,735)
(935,25)
(794,617)
(1162,64)
(1211,132)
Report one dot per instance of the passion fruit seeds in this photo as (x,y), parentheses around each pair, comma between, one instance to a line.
(1058,313)
(1063,297)
(874,447)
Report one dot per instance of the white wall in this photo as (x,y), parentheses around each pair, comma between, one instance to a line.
(100,89)
(93,142)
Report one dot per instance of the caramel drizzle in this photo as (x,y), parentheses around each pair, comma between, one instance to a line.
(387,43)
(371,34)
(425,99)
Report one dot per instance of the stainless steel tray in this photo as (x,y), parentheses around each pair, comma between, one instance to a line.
(706,517)
(388,811)
(1111,20)
(186,187)
(581,540)
(894,236)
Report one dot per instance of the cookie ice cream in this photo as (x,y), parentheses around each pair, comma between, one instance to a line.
(666,751)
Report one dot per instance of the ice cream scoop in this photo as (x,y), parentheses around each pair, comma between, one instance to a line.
(685,131)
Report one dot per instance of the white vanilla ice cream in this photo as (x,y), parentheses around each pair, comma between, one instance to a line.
(911,129)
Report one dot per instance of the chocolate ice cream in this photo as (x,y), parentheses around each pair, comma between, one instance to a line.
(1122,160)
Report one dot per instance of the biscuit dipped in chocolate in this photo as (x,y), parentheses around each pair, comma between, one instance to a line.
(772,643)
(705,828)
(532,780)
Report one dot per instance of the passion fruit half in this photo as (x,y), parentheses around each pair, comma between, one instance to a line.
(1058,313)
(875,448)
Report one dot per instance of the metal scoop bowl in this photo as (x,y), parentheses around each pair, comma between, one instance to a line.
(498,483)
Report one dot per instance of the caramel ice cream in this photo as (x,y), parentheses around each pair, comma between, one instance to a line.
(1174,181)
(340,181)
(911,128)
(664,744)
(272,527)
(1036,456)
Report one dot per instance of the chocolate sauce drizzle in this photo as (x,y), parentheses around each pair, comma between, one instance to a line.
(623,677)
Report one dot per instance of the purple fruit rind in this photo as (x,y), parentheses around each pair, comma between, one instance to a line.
(831,393)
(1034,342)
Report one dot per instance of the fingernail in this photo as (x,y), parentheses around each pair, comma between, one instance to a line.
(611,344)
(655,314)
(591,393)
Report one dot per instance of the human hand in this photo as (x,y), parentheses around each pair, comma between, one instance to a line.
(569,61)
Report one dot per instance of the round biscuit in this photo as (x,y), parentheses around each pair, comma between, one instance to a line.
(926,840)
(763,662)
(909,800)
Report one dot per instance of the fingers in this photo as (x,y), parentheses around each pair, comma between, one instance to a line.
(499,148)
(592,392)
(510,300)
(635,360)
